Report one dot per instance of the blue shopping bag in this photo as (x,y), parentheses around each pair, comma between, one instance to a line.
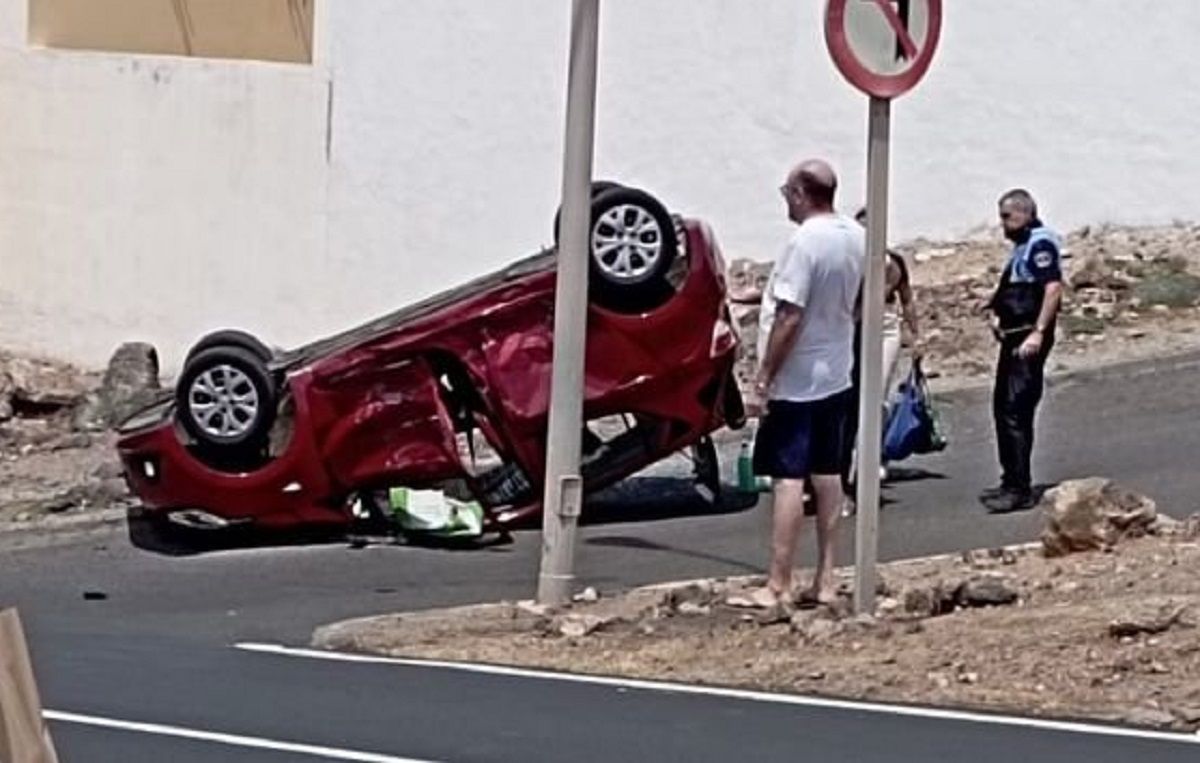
(912,423)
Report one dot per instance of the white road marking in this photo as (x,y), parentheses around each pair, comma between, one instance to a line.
(233,740)
(739,694)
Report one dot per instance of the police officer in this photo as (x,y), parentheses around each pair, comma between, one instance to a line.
(1025,306)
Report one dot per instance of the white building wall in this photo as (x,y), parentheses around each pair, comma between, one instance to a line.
(155,197)
(209,190)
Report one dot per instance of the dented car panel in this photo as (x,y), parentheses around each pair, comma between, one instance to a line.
(392,402)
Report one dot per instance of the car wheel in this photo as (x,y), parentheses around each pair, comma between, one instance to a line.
(231,338)
(633,246)
(226,400)
(598,187)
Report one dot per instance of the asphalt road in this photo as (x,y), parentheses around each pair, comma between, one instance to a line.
(156,647)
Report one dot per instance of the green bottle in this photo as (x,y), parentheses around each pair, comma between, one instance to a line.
(745,469)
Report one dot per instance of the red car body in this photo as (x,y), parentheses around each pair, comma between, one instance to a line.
(385,404)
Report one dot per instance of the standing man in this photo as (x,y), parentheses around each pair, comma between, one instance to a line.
(1025,306)
(806,329)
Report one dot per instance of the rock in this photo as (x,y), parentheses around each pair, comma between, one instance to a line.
(866,621)
(109,470)
(7,388)
(42,387)
(979,559)
(76,441)
(578,626)
(1089,273)
(1158,622)
(992,557)
(773,615)
(702,593)
(1145,716)
(1091,514)
(533,608)
(818,630)
(1164,526)
(1189,714)
(130,383)
(1191,528)
(801,619)
(589,595)
(692,609)
(987,591)
(88,415)
(931,601)
(889,606)
(1167,527)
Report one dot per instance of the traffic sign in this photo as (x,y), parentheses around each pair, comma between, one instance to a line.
(883,47)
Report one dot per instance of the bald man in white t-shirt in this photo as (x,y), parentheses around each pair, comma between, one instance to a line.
(806,355)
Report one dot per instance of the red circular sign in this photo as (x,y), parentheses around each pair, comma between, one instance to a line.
(847,46)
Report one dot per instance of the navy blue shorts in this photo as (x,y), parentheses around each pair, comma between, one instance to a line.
(798,440)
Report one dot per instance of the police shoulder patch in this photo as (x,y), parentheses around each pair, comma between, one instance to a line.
(1044,258)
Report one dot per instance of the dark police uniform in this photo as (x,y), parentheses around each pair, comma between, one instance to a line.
(1035,262)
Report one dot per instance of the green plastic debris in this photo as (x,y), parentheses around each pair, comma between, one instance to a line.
(432,512)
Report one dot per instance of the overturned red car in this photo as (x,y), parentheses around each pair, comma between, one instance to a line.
(453,390)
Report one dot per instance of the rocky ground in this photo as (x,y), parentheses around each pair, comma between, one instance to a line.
(1099,621)
(1131,293)
(56,446)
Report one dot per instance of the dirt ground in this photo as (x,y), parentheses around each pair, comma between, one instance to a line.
(52,463)
(1132,293)
(1106,636)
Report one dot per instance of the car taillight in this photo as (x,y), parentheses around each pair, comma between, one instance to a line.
(723,338)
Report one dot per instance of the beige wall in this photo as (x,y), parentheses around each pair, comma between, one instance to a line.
(269,30)
(155,197)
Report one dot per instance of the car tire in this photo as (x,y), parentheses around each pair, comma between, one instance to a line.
(598,187)
(632,248)
(226,400)
(231,338)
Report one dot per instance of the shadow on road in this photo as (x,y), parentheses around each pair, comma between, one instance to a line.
(161,537)
(644,499)
(639,499)
(901,474)
(624,541)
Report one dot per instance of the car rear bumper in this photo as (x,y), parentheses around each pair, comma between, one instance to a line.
(171,481)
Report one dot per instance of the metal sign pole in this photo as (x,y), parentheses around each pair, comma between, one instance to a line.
(871,378)
(563,497)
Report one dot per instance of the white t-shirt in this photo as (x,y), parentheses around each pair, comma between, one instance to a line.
(820,270)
